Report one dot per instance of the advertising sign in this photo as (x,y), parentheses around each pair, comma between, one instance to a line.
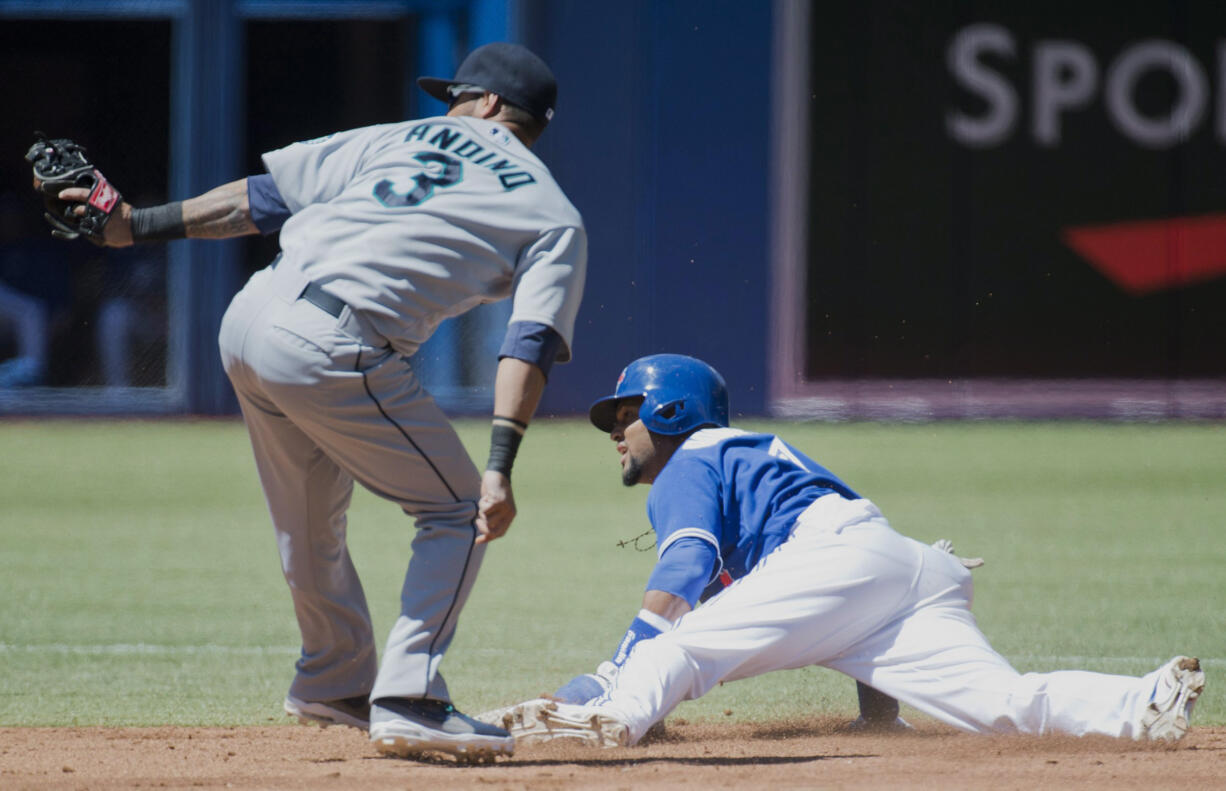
(1032,190)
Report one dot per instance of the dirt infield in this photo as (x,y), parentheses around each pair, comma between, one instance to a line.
(808,754)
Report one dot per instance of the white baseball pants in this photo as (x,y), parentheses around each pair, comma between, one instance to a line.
(327,402)
(849,593)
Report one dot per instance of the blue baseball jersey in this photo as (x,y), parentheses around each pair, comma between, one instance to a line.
(735,492)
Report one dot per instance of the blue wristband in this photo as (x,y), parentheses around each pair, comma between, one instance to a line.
(640,629)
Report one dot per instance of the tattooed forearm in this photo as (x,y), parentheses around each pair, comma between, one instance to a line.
(220,213)
(232,224)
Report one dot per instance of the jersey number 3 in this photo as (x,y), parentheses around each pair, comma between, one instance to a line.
(439,170)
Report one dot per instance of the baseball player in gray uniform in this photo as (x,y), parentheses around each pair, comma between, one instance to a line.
(385,232)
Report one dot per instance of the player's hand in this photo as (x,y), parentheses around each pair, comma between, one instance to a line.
(78,200)
(496,508)
(947,546)
(118,231)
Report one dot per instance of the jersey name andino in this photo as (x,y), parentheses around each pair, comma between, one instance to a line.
(511,174)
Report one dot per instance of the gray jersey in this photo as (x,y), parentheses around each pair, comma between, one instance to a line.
(416,222)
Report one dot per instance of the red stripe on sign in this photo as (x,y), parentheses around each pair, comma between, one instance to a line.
(1154,255)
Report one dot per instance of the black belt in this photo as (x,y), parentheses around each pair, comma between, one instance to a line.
(321,299)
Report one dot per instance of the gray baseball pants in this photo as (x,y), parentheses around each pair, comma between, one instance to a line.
(327,402)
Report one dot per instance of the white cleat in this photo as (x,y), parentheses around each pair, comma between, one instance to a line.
(1180,682)
(542,720)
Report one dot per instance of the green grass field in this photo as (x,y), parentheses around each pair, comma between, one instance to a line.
(140,585)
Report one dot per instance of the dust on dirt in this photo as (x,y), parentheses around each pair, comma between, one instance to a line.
(813,753)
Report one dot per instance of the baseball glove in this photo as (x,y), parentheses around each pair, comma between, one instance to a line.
(58,165)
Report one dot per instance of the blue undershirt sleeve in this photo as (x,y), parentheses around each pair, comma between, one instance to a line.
(533,343)
(684,569)
(268,209)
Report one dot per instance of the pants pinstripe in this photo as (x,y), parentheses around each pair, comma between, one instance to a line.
(327,402)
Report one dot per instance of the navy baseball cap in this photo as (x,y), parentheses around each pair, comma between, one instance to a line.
(509,70)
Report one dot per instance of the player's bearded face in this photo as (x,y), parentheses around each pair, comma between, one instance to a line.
(634,444)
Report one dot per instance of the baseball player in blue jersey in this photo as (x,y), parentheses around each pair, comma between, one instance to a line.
(796,568)
(385,232)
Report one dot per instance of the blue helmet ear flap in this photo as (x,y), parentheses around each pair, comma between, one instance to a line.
(661,417)
(670,410)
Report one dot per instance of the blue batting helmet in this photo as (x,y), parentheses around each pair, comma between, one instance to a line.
(679,393)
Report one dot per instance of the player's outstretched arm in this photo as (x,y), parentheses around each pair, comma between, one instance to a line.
(518,386)
(660,611)
(669,606)
(221,213)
